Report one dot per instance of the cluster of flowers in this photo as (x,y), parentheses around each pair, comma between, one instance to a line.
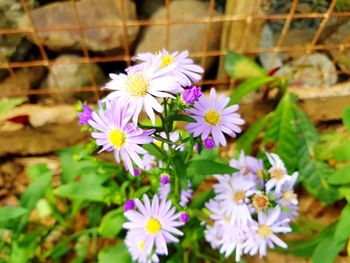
(251,206)
(246,211)
(162,75)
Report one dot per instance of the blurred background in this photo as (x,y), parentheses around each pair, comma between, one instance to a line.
(54,53)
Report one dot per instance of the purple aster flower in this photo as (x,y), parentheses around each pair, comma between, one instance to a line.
(184,217)
(209,143)
(137,172)
(191,94)
(155,223)
(214,234)
(247,164)
(185,196)
(139,90)
(250,167)
(115,133)
(129,205)
(149,162)
(85,115)
(263,232)
(178,65)
(287,198)
(163,191)
(164,179)
(224,234)
(214,118)
(137,250)
(233,194)
(233,240)
(278,173)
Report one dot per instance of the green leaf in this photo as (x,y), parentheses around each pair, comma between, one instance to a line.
(342,153)
(114,254)
(245,141)
(8,213)
(199,169)
(181,172)
(333,145)
(340,176)
(41,177)
(154,150)
(242,67)
(327,249)
(69,166)
(281,133)
(181,117)
(201,198)
(313,174)
(7,105)
(247,87)
(342,231)
(82,191)
(346,118)
(305,248)
(208,167)
(24,250)
(111,223)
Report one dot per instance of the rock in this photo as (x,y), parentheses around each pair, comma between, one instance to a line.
(70,75)
(42,140)
(296,37)
(341,36)
(269,60)
(26,78)
(39,115)
(91,12)
(13,46)
(315,70)
(181,36)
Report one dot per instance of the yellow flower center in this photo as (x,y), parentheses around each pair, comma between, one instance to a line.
(277,173)
(117,138)
(287,195)
(212,117)
(141,245)
(166,61)
(153,226)
(260,202)
(264,231)
(260,174)
(238,196)
(137,85)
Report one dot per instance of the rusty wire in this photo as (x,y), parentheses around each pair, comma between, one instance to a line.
(168,21)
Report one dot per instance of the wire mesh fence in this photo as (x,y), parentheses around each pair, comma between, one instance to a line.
(241,15)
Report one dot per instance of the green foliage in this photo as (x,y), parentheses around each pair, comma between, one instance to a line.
(281,133)
(340,176)
(114,254)
(199,169)
(242,67)
(342,231)
(82,191)
(346,118)
(328,248)
(41,177)
(111,223)
(245,141)
(313,174)
(9,213)
(7,105)
(247,87)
